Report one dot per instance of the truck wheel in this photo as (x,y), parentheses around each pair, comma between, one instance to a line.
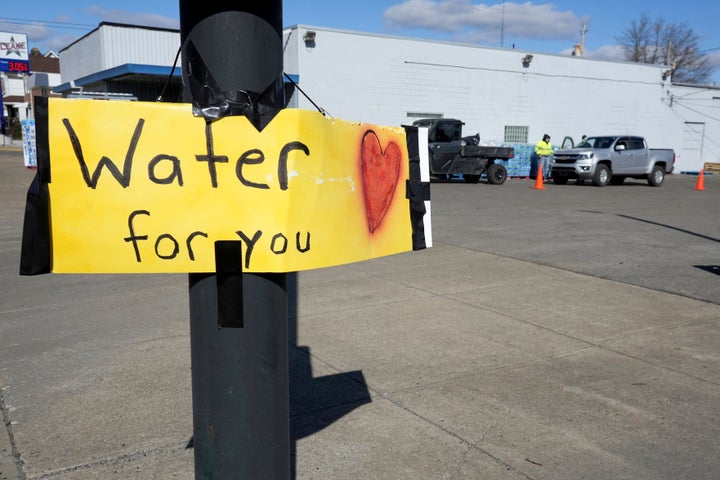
(496,174)
(471,178)
(657,176)
(602,176)
(617,180)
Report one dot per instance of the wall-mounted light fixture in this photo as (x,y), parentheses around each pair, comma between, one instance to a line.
(309,38)
(526,60)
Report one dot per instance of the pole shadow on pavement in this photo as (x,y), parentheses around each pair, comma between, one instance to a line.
(316,403)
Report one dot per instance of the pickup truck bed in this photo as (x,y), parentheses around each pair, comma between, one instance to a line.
(450,154)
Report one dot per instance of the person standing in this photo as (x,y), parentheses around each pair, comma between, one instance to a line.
(543,152)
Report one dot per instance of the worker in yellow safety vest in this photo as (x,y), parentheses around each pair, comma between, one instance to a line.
(543,152)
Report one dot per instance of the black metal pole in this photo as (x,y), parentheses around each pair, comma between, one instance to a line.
(240,382)
(232,65)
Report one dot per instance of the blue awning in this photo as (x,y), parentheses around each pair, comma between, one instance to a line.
(130,69)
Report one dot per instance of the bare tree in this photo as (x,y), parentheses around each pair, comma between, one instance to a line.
(671,44)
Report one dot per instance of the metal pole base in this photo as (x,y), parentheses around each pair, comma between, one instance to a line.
(240,381)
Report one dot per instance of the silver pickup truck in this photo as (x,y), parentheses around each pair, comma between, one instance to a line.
(612,159)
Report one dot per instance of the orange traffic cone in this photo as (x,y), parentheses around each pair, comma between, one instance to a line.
(701,181)
(539,177)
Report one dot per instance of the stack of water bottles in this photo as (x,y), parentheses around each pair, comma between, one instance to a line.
(522,164)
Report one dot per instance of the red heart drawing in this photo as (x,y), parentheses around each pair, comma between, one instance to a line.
(380,173)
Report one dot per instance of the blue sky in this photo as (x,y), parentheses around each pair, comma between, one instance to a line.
(544,27)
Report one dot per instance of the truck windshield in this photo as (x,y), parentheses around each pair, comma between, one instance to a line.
(596,142)
(446,132)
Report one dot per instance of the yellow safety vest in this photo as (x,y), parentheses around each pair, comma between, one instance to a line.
(543,148)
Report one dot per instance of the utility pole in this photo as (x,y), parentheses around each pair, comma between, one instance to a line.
(232,65)
(583,31)
(580,47)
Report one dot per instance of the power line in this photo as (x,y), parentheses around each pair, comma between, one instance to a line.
(696,111)
(48,23)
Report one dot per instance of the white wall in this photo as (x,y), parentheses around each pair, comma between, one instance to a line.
(110,46)
(82,58)
(695,112)
(379,79)
(13,85)
(123,45)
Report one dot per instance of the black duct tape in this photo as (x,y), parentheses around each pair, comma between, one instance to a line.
(234,74)
(228,265)
(417,191)
(36,244)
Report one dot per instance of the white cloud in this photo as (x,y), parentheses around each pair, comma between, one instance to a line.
(606,52)
(479,22)
(58,42)
(714,59)
(35,32)
(145,19)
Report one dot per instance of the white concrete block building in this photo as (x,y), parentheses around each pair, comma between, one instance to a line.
(508,96)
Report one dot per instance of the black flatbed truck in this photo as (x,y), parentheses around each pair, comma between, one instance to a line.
(452,154)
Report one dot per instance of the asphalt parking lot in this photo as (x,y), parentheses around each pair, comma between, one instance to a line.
(565,333)
(664,238)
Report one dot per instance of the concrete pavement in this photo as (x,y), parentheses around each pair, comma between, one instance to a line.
(451,363)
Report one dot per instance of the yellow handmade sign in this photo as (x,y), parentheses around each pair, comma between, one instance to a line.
(148,187)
